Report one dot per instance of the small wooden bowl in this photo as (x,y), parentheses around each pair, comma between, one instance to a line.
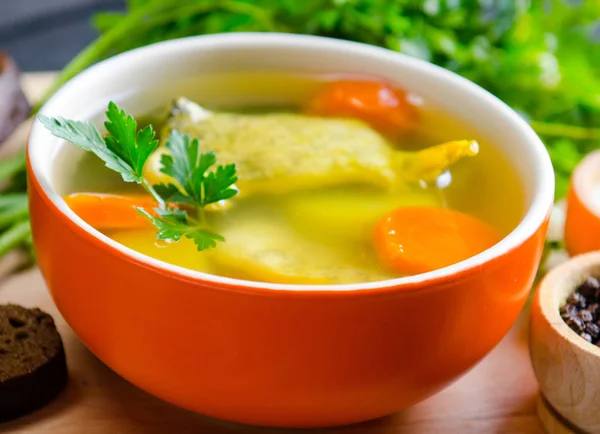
(566,366)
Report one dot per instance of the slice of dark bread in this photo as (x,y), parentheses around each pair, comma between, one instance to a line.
(33,367)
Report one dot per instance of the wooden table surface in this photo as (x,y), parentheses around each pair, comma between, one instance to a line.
(498,396)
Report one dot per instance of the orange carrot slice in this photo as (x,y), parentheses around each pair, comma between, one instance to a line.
(384,107)
(415,240)
(111,211)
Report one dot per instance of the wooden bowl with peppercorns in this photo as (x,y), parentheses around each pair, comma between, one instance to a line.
(564,345)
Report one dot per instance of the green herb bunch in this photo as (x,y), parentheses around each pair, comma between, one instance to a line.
(126,149)
(539,56)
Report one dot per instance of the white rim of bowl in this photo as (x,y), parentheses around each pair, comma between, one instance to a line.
(536,214)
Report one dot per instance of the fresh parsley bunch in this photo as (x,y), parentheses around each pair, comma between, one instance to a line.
(126,149)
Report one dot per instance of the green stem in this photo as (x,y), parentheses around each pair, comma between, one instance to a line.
(17,234)
(14,213)
(139,21)
(201,215)
(567,131)
(12,199)
(154,194)
(199,221)
(13,165)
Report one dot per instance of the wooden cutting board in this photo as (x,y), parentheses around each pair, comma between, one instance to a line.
(497,397)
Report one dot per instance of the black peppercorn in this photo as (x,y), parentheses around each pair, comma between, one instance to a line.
(576,324)
(585,315)
(590,288)
(568,311)
(593,330)
(577,299)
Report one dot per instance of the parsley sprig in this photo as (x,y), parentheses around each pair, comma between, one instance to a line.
(199,181)
(189,167)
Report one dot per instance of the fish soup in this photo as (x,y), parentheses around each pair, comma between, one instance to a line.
(337,180)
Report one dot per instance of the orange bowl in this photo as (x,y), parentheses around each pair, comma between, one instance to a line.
(269,354)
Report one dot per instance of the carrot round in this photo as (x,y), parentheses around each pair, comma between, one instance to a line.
(384,107)
(415,240)
(111,211)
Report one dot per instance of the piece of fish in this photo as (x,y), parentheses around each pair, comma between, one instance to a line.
(283,152)
(281,255)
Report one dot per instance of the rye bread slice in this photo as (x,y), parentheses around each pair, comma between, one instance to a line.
(33,368)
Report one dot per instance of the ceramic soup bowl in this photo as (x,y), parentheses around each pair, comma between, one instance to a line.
(273,354)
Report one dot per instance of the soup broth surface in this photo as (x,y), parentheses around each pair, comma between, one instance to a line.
(315,236)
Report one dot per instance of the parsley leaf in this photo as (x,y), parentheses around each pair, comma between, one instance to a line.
(131,145)
(171,193)
(183,159)
(172,224)
(124,150)
(217,184)
(204,239)
(189,168)
(87,137)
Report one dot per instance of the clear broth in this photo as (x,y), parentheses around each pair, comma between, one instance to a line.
(332,222)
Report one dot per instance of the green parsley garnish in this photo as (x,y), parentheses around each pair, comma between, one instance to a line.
(189,168)
(125,149)
(172,224)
